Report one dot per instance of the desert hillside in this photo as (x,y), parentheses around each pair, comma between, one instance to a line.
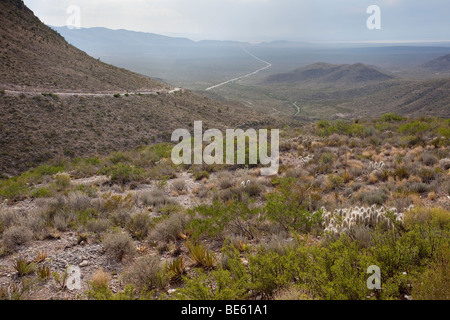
(34,57)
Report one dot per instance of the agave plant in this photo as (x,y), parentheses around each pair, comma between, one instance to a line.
(201,256)
(176,269)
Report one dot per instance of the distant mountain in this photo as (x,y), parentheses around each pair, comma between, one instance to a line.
(122,40)
(35,57)
(330,74)
(439,64)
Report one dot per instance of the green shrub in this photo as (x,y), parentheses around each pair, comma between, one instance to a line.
(213,220)
(391,117)
(122,173)
(216,285)
(288,207)
(42,192)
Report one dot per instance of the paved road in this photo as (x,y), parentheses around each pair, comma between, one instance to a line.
(268,65)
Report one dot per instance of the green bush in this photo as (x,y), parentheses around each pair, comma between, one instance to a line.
(216,285)
(213,220)
(288,207)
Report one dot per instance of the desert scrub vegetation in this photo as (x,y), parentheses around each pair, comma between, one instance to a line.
(348,193)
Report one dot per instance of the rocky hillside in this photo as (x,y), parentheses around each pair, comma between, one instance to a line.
(35,57)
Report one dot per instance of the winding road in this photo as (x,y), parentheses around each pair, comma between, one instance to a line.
(298,108)
(268,65)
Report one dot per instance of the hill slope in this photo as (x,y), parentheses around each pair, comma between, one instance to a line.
(439,64)
(35,57)
(330,74)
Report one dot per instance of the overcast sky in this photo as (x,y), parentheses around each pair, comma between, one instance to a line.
(259,20)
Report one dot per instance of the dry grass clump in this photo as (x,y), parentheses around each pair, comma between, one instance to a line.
(100,279)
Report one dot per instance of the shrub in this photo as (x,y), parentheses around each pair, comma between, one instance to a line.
(225,180)
(216,285)
(155,198)
(199,175)
(139,225)
(42,192)
(391,117)
(119,245)
(213,219)
(433,284)
(168,229)
(427,216)
(179,186)
(429,159)
(146,273)
(62,181)
(98,226)
(288,206)
(123,174)
(419,187)
(8,218)
(401,173)
(78,201)
(16,236)
(378,197)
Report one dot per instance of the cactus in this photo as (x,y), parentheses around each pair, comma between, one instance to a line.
(342,220)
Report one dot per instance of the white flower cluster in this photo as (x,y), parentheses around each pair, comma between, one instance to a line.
(307,159)
(377,166)
(342,220)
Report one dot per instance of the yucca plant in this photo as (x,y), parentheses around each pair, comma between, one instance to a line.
(201,256)
(176,269)
(24,267)
(44,272)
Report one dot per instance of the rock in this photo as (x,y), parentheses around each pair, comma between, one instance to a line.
(84,263)
(171,291)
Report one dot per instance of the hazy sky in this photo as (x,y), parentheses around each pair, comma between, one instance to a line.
(259,20)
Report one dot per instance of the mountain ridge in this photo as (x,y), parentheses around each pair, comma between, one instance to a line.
(321,73)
